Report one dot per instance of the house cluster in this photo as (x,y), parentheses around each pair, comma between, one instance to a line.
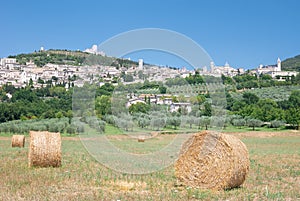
(19,75)
(274,71)
(159,99)
(11,72)
(156,73)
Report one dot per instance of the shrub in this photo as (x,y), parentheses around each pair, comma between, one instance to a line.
(71,129)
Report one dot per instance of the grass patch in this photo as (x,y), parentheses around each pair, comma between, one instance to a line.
(247,129)
(112,130)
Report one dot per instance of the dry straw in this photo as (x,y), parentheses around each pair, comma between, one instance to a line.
(141,138)
(44,149)
(212,161)
(18,141)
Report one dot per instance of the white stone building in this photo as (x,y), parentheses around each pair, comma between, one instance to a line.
(275,71)
(8,63)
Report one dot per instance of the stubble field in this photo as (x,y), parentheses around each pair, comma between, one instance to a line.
(274,173)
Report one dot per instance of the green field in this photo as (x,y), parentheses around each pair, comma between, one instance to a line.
(274,173)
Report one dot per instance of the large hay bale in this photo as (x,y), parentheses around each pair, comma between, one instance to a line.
(44,149)
(18,141)
(212,161)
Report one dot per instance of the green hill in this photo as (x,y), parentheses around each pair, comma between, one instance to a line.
(76,58)
(291,64)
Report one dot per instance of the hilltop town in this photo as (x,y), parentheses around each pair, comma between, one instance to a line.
(100,69)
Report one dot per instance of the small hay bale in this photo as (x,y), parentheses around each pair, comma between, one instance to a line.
(212,161)
(44,149)
(18,141)
(141,139)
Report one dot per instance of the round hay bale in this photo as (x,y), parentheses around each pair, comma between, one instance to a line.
(44,149)
(18,141)
(215,161)
(141,139)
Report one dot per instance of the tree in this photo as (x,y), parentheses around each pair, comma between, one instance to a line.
(297,79)
(227,80)
(162,89)
(276,124)
(191,120)
(48,114)
(207,109)
(178,81)
(30,82)
(294,98)
(199,99)
(254,123)
(238,105)
(24,95)
(40,81)
(292,116)
(218,122)
(54,78)
(250,98)
(59,115)
(265,77)
(143,122)
(204,121)
(195,79)
(8,88)
(267,110)
(157,122)
(141,75)
(124,121)
(238,122)
(128,78)
(174,121)
(103,105)
(139,108)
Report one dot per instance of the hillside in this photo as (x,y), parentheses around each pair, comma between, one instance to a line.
(68,57)
(291,64)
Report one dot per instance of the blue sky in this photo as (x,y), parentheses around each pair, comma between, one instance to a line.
(244,33)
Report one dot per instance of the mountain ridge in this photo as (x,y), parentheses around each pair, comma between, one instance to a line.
(291,64)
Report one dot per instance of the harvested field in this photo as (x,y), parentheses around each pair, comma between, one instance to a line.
(274,174)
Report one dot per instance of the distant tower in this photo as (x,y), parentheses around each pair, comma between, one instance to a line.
(226,64)
(278,64)
(212,66)
(141,64)
(42,49)
(94,49)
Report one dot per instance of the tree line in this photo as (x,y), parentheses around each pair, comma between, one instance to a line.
(55,102)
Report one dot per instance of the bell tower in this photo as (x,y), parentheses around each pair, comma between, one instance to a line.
(278,64)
